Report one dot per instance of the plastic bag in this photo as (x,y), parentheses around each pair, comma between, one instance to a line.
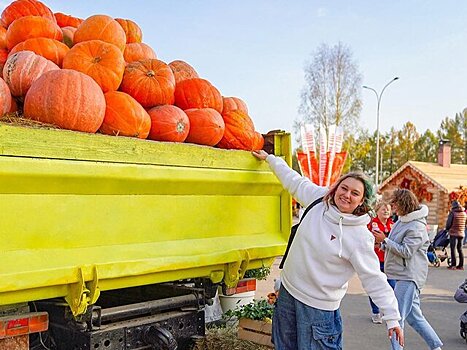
(461,293)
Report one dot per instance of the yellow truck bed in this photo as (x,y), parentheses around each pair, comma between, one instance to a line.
(80,213)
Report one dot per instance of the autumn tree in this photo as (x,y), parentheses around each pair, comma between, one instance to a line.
(426,147)
(406,139)
(454,130)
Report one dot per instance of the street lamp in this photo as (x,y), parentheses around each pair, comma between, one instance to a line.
(378,98)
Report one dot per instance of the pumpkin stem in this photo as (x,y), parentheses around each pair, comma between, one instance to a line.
(150,73)
(96,59)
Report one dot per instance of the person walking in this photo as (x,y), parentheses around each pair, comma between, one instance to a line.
(406,262)
(455,224)
(382,222)
(331,244)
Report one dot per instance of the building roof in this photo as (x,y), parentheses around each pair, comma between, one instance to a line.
(447,179)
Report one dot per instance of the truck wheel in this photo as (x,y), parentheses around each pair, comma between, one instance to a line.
(160,338)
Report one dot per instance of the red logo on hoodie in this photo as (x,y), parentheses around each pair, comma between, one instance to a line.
(333,237)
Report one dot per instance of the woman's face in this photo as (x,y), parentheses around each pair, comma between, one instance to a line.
(349,195)
(384,212)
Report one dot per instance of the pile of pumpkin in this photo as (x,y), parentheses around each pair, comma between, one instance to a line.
(96,75)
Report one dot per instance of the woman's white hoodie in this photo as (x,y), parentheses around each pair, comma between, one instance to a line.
(328,249)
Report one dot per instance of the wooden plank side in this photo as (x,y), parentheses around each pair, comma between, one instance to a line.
(257,338)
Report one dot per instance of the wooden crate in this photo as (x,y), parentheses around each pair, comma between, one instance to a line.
(258,332)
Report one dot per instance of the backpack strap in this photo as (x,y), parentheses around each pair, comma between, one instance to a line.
(294,229)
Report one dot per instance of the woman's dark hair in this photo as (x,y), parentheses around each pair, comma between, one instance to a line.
(405,200)
(368,193)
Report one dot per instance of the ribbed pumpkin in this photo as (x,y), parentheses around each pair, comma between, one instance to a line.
(258,142)
(31,27)
(206,126)
(233,103)
(3,38)
(197,93)
(101,27)
(22,68)
(239,131)
(14,106)
(68,34)
(132,30)
(66,98)
(168,123)
(3,58)
(182,71)
(51,49)
(137,52)
(5,98)
(100,60)
(22,8)
(64,20)
(124,116)
(150,82)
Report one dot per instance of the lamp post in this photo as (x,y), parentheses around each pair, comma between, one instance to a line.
(378,98)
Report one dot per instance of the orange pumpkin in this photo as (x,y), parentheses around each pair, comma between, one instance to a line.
(3,38)
(100,60)
(3,58)
(150,82)
(22,68)
(258,142)
(14,106)
(197,93)
(124,116)
(68,34)
(206,126)
(64,20)
(5,98)
(132,30)
(67,98)
(22,8)
(51,49)
(233,103)
(137,52)
(101,27)
(239,131)
(32,27)
(182,71)
(168,123)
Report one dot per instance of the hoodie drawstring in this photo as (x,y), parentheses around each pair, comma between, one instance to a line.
(340,236)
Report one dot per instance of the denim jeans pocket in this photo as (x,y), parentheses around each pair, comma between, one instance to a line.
(328,334)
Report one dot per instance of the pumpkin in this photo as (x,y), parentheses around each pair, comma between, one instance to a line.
(151,82)
(124,116)
(197,93)
(14,106)
(137,52)
(5,98)
(3,58)
(100,60)
(206,126)
(101,27)
(239,131)
(182,71)
(22,8)
(233,103)
(68,34)
(32,27)
(3,38)
(67,98)
(22,68)
(258,141)
(64,20)
(132,30)
(168,123)
(51,49)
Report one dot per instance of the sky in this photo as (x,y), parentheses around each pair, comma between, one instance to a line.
(257,49)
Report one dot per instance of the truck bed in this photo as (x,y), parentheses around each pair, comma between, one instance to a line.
(80,213)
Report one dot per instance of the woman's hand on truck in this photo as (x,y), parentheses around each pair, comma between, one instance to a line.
(261,154)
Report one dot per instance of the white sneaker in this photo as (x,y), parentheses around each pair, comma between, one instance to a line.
(376,318)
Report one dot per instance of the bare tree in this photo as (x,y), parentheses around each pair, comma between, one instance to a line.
(331,94)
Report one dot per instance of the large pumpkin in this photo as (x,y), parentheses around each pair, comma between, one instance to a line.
(100,60)
(239,131)
(206,126)
(2,38)
(101,27)
(5,98)
(258,141)
(67,98)
(197,93)
(124,116)
(64,20)
(22,8)
(233,103)
(137,52)
(168,123)
(51,49)
(68,34)
(22,68)
(150,82)
(182,71)
(32,27)
(132,30)
(3,59)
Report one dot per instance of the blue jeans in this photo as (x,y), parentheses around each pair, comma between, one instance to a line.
(392,283)
(408,297)
(296,326)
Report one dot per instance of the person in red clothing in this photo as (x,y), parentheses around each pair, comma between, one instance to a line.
(381,223)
